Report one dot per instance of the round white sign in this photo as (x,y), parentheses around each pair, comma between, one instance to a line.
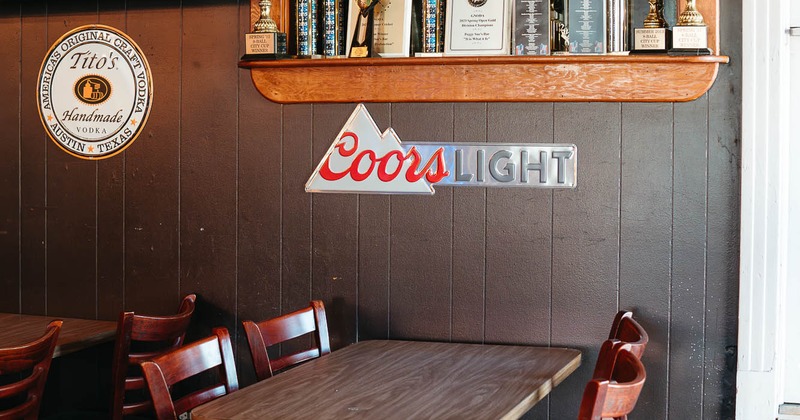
(94,92)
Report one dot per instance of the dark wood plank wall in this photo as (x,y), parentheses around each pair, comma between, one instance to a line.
(210,200)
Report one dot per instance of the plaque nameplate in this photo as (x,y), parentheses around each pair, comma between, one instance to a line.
(531,27)
(478,27)
(654,40)
(265,43)
(690,37)
(392,28)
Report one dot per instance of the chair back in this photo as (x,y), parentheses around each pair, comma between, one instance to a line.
(625,332)
(161,372)
(614,397)
(139,338)
(264,334)
(24,371)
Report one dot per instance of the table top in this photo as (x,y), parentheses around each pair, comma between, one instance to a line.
(76,334)
(404,379)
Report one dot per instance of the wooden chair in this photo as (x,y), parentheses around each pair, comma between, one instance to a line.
(27,366)
(625,332)
(265,334)
(614,397)
(214,352)
(139,338)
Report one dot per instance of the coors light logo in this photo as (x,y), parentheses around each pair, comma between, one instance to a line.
(362,160)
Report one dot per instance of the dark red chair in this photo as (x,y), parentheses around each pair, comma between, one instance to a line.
(264,334)
(139,338)
(614,397)
(214,352)
(24,371)
(625,331)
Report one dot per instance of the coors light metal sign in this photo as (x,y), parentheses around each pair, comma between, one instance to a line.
(364,160)
(94,92)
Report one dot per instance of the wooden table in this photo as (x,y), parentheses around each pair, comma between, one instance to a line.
(76,334)
(403,380)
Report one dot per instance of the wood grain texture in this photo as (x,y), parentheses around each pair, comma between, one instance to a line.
(645,238)
(76,334)
(489,79)
(11,32)
(152,229)
(585,242)
(401,379)
(34,144)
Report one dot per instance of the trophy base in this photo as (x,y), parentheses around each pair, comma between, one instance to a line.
(689,51)
(264,46)
(651,41)
(264,57)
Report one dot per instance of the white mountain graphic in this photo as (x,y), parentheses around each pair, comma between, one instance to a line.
(369,139)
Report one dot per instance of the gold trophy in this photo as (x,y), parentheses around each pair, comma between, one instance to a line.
(361,45)
(691,33)
(655,37)
(265,42)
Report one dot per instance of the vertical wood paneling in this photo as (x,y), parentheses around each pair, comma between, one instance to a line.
(585,243)
(10,33)
(34,144)
(259,235)
(208,160)
(518,240)
(688,259)
(111,205)
(71,200)
(469,236)
(374,232)
(421,241)
(334,232)
(518,237)
(645,238)
(152,166)
(722,273)
(296,220)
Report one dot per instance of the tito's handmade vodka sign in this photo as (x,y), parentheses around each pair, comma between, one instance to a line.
(364,160)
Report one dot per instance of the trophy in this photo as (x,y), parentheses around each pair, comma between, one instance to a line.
(655,37)
(361,46)
(691,33)
(265,42)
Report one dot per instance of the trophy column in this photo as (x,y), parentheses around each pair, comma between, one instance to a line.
(691,33)
(265,42)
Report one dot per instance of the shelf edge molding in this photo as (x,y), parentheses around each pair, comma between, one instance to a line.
(487,79)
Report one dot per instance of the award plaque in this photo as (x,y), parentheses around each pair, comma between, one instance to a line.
(334,27)
(361,43)
(690,35)
(587,26)
(433,26)
(392,31)
(307,32)
(531,27)
(478,27)
(265,42)
(655,37)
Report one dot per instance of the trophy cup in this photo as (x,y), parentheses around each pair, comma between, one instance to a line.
(655,37)
(691,33)
(265,42)
(361,46)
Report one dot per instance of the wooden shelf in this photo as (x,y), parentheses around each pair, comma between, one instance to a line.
(487,79)
(574,78)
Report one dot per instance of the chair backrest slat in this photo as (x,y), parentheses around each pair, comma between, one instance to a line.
(215,352)
(264,334)
(616,396)
(157,335)
(32,361)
